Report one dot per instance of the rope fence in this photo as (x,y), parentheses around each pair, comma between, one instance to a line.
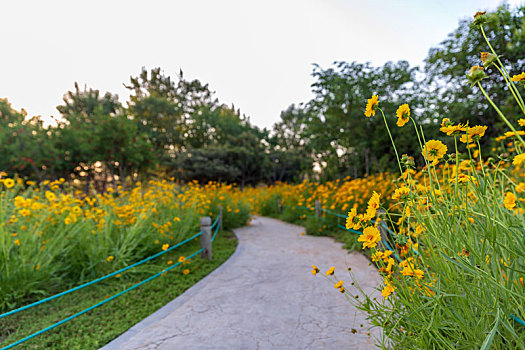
(205,249)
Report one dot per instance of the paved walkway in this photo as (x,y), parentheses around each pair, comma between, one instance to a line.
(263,297)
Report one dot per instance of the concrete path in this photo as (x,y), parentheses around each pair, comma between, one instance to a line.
(264,297)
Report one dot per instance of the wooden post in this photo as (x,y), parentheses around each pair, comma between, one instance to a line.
(206,237)
(317,209)
(279,206)
(220,217)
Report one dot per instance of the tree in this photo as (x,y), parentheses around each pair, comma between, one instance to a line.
(343,140)
(447,64)
(162,108)
(290,151)
(98,142)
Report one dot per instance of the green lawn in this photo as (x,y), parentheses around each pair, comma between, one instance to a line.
(97,327)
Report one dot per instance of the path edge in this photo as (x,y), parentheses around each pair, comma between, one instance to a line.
(163,312)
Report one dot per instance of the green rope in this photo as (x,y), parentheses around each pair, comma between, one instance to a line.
(98,304)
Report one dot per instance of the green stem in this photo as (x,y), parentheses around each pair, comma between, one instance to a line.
(501,114)
(457,165)
(417,133)
(391,139)
(520,102)
(512,86)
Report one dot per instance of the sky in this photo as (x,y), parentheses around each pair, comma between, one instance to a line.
(257,55)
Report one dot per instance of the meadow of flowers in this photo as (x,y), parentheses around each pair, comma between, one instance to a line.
(53,237)
(454,278)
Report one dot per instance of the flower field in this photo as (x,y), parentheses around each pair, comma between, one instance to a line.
(53,237)
(452,252)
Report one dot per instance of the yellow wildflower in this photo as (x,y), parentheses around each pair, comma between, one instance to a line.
(373,205)
(434,150)
(519,159)
(518,77)
(370,237)
(403,115)
(387,290)
(401,193)
(338,285)
(510,200)
(110,258)
(473,134)
(315,270)
(371,106)
(353,221)
(9,183)
(330,271)
(378,255)
(165,246)
(450,129)
(186,271)
(182,259)
(17,242)
(521,122)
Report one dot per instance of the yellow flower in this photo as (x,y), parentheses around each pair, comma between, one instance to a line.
(165,246)
(411,271)
(77,211)
(518,77)
(67,221)
(181,259)
(330,271)
(473,134)
(510,200)
(378,255)
(403,115)
(370,237)
(110,258)
(50,196)
(521,122)
(315,270)
(353,220)
(373,205)
(401,193)
(338,285)
(9,183)
(186,271)
(387,290)
(176,219)
(170,262)
(371,106)
(434,150)
(450,129)
(519,159)
(17,242)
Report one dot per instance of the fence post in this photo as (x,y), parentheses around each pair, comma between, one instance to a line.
(384,234)
(220,217)
(317,209)
(206,237)
(279,206)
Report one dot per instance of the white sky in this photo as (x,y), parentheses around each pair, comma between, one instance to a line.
(255,54)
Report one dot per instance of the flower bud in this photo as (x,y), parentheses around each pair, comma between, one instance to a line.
(480,18)
(476,74)
(487,58)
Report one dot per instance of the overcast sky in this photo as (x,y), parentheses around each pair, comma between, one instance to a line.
(255,54)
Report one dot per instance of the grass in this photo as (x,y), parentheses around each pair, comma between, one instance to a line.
(98,327)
